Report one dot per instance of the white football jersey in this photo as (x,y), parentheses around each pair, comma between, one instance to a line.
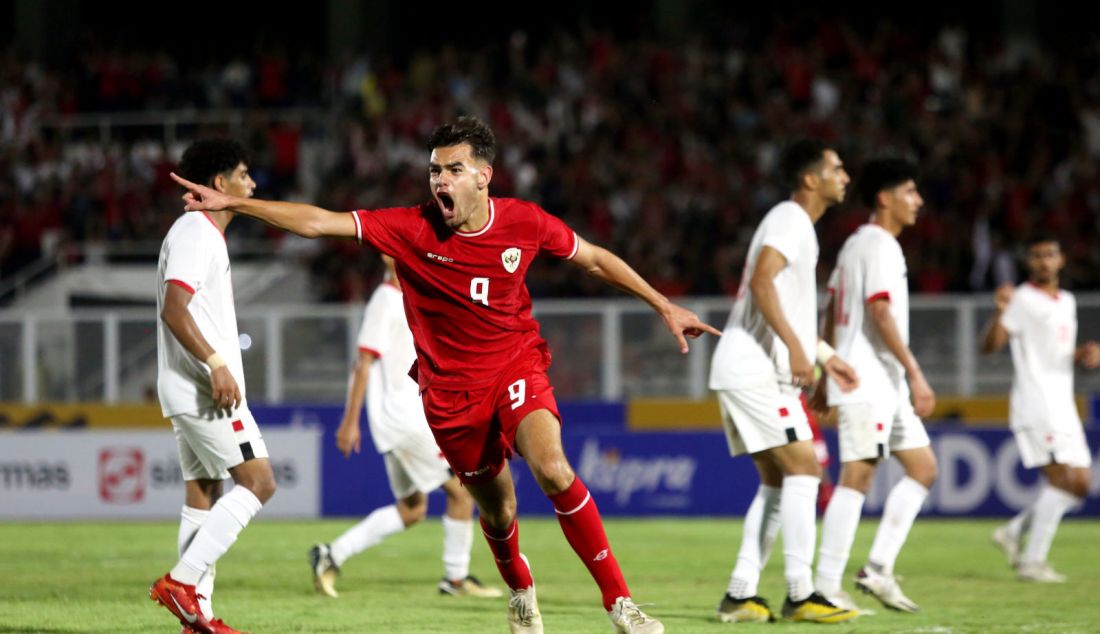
(394,409)
(1043,339)
(870,267)
(194,257)
(749,353)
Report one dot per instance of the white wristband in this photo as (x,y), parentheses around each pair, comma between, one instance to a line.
(824,352)
(215,361)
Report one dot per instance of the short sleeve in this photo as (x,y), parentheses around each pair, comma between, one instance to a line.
(189,256)
(786,233)
(555,237)
(882,267)
(1012,319)
(375,331)
(384,229)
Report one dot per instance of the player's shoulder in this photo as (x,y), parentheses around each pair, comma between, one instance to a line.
(788,215)
(192,227)
(876,240)
(517,208)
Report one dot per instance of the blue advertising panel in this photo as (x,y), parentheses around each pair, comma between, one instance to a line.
(691,473)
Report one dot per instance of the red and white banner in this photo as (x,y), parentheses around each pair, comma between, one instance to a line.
(136,474)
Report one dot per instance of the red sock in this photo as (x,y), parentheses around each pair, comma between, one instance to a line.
(505,547)
(583,528)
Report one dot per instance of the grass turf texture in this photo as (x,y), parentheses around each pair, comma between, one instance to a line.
(94,577)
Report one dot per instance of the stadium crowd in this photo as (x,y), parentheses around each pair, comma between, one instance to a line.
(661,150)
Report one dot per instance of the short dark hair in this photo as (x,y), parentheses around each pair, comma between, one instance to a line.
(206,158)
(469,130)
(884,173)
(1041,237)
(797,158)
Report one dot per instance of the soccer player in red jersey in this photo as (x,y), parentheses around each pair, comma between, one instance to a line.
(481,365)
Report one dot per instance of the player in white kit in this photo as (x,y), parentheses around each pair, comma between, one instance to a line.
(761,364)
(414,464)
(200,384)
(868,321)
(1039,322)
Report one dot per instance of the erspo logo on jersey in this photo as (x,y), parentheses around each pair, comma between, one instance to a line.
(440,258)
(121,475)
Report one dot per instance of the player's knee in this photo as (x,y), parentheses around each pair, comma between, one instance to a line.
(500,517)
(413,509)
(925,474)
(262,487)
(553,476)
(1079,484)
(859,479)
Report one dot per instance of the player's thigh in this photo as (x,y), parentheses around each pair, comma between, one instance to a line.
(762,418)
(863,431)
(416,465)
(907,430)
(214,441)
(466,432)
(524,398)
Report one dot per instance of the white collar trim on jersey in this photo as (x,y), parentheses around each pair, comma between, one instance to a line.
(474,234)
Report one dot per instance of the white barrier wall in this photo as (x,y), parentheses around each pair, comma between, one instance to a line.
(135,474)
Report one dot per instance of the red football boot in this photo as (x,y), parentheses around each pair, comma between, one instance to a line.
(182,601)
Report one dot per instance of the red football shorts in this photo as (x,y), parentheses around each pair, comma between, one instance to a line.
(476,429)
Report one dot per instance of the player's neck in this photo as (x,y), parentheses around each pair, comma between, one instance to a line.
(221,219)
(477,220)
(889,224)
(1050,287)
(814,206)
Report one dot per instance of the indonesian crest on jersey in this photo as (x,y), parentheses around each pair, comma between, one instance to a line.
(510,258)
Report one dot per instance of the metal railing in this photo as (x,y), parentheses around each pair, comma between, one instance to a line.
(603,349)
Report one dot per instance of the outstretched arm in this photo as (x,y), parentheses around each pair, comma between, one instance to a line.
(607,266)
(304,220)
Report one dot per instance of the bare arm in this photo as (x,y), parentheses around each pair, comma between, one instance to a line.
(1088,355)
(995,336)
(610,268)
(349,436)
(762,286)
(183,327)
(828,325)
(305,220)
(924,399)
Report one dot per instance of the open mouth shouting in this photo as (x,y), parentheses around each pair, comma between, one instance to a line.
(446,205)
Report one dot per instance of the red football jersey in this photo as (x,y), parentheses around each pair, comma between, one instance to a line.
(465,296)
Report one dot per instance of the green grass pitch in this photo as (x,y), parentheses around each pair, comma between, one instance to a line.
(94,577)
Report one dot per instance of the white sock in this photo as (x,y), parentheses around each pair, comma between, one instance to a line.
(458,539)
(191,520)
(379,525)
(902,506)
(1049,509)
(838,531)
(758,534)
(229,516)
(1019,525)
(798,511)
